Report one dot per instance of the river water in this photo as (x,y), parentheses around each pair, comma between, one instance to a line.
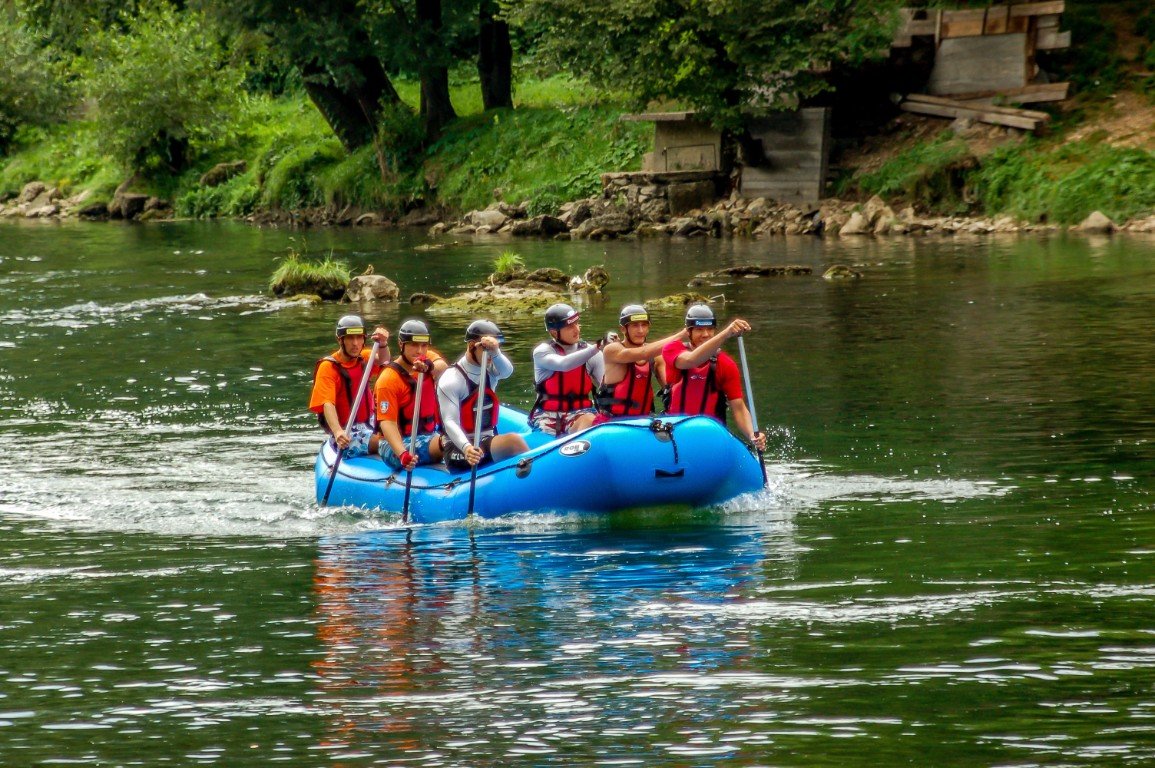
(954,562)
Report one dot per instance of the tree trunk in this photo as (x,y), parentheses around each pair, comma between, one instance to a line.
(436,108)
(352,110)
(494,58)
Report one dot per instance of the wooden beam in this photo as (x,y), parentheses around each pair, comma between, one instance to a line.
(1038,9)
(1024,119)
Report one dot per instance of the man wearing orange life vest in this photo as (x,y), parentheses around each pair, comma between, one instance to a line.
(335,381)
(458,392)
(632,364)
(565,372)
(396,395)
(705,380)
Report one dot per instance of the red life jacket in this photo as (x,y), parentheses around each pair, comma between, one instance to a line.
(430,415)
(351,378)
(489,408)
(696,392)
(633,395)
(564,391)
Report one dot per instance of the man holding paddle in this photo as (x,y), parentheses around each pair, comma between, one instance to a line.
(337,380)
(704,379)
(406,393)
(469,404)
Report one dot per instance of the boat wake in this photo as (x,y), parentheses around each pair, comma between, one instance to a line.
(231,480)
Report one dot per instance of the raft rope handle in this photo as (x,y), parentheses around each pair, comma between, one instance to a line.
(654,425)
(659,427)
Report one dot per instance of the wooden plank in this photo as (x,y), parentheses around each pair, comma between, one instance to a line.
(1038,9)
(981,114)
(923,98)
(996,20)
(966,23)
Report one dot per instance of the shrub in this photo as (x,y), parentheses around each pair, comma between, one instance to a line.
(162,87)
(929,173)
(1067,183)
(326,278)
(33,90)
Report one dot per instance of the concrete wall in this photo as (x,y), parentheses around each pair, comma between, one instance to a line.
(979,64)
(796,146)
(684,146)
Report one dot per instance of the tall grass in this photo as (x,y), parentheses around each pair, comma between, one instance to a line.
(1064,184)
(326,277)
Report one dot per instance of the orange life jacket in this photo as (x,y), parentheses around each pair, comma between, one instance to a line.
(351,379)
(429,413)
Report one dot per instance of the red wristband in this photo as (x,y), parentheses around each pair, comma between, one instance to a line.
(405,457)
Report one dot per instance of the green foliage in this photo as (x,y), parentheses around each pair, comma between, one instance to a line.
(237,197)
(1066,183)
(926,173)
(162,88)
(294,180)
(1092,64)
(33,90)
(327,277)
(508,263)
(64,156)
(544,155)
(721,58)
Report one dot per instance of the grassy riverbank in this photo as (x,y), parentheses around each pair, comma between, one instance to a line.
(1099,155)
(550,148)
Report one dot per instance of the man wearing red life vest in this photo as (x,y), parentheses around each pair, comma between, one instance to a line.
(399,403)
(705,380)
(335,381)
(458,392)
(565,372)
(632,364)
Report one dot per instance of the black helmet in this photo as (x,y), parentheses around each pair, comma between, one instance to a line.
(413,330)
(479,328)
(559,316)
(633,313)
(700,316)
(350,325)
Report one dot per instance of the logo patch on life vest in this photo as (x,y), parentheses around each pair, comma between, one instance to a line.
(576,448)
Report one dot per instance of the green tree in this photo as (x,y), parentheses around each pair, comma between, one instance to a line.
(719,57)
(160,86)
(33,90)
(330,44)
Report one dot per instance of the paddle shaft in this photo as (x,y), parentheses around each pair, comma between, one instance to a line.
(412,445)
(477,426)
(352,418)
(750,402)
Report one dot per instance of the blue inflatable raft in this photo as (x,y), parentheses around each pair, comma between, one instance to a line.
(692,460)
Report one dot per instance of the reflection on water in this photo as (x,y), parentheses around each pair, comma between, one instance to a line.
(454,645)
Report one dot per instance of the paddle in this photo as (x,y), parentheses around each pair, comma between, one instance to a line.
(477,427)
(750,398)
(349,424)
(412,445)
